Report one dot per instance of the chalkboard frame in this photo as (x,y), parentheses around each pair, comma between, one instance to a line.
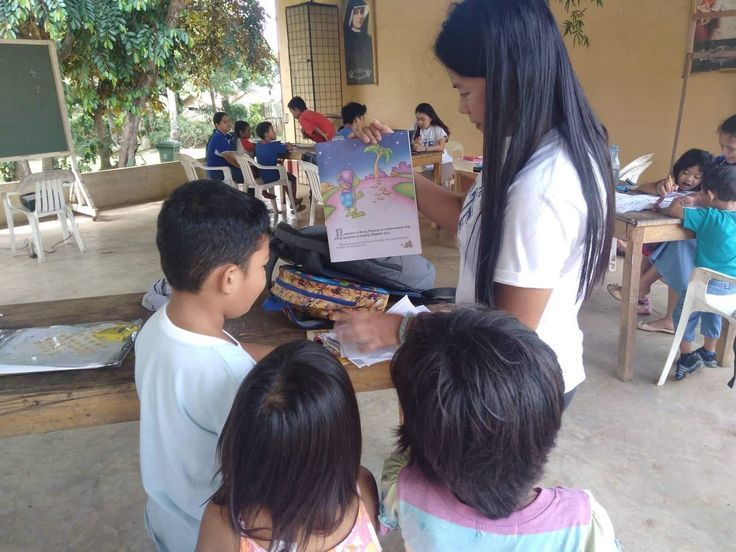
(69,151)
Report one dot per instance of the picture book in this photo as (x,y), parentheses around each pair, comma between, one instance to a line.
(369,198)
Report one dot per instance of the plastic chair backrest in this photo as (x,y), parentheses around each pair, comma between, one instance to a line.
(312,172)
(247,163)
(49,190)
(190,166)
(455,149)
(633,170)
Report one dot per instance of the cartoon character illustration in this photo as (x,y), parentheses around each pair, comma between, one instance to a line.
(348,182)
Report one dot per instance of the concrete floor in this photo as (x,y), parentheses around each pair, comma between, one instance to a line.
(658,458)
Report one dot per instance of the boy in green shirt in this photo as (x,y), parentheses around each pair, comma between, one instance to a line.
(711,215)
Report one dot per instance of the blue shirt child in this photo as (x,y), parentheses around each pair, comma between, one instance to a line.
(268,153)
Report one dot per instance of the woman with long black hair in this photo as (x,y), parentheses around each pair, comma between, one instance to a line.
(535,230)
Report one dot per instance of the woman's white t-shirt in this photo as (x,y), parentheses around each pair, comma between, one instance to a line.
(542,247)
(430,137)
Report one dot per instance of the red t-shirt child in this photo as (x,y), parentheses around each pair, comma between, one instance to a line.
(310,120)
(248,146)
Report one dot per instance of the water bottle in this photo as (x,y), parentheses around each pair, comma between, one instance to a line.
(616,169)
(615,163)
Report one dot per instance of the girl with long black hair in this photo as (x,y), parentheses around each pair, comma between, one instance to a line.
(535,230)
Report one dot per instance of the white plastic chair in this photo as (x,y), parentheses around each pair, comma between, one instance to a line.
(633,170)
(48,192)
(698,300)
(246,163)
(312,172)
(191,165)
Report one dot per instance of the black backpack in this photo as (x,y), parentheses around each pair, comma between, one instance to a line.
(411,275)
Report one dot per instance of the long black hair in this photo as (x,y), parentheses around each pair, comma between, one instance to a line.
(429,111)
(482,397)
(531,88)
(291,446)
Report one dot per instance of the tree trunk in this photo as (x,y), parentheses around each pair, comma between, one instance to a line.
(212,97)
(173,115)
(126,154)
(103,139)
(22,169)
(128,139)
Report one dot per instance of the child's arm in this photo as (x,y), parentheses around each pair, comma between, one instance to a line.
(439,146)
(322,134)
(215,532)
(369,494)
(660,187)
(389,516)
(601,537)
(677,207)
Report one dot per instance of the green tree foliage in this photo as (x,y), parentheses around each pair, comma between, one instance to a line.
(118,56)
(575,25)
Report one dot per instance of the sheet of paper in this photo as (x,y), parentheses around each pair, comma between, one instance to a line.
(369,198)
(644,202)
(361,360)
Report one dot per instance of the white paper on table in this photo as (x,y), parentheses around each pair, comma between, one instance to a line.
(644,202)
(360,359)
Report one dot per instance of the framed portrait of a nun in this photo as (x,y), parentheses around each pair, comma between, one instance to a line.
(359,41)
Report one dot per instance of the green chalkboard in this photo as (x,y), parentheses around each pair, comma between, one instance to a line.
(32,115)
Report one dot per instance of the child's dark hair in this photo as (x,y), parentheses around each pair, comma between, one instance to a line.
(217,117)
(262,128)
(291,446)
(205,224)
(429,111)
(352,111)
(721,181)
(728,126)
(482,398)
(297,103)
(692,158)
(240,126)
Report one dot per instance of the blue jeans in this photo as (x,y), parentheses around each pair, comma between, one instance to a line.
(710,324)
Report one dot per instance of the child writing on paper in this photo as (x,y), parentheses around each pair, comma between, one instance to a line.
(213,243)
(687,173)
(268,152)
(711,215)
(431,134)
(290,462)
(482,400)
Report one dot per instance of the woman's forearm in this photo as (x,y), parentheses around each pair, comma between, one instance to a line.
(439,204)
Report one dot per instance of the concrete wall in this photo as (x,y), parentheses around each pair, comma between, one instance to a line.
(631,73)
(120,187)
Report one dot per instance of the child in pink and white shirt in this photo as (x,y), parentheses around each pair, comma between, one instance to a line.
(482,399)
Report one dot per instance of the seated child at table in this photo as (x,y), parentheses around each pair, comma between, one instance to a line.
(268,152)
(687,173)
(290,461)
(353,116)
(315,126)
(711,215)
(431,134)
(482,400)
(213,243)
(242,138)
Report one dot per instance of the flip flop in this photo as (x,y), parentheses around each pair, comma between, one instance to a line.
(646,327)
(645,303)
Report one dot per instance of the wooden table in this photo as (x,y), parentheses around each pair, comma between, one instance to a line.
(464,175)
(41,402)
(636,229)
